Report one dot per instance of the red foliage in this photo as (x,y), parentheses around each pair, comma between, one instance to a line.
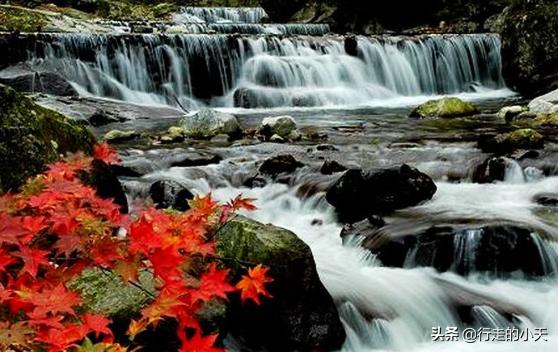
(56,227)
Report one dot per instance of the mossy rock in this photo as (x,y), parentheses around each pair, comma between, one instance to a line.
(301,314)
(546,120)
(525,138)
(32,136)
(105,292)
(15,18)
(445,107)
(124,10)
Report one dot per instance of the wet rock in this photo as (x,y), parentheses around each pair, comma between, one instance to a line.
(280,164)
(294,136)
(100,112)
(104,292)
(118,136)
(208,123)
(509,112)
(363,228)
(143,29)
(500,250)
(545,104)
(196,158)
(326,147)
(546,120)
(351,45)
(331,167)
(101,118)
(170,194)
(445,107)
(491,170)
(505,143)
(24,78)
(277,139)
(279,125)
(546,199)
(358,194)
(175,133)
(103,178)
(32,136)
(301,316)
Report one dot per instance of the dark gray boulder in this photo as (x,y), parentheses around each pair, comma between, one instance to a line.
(23,78)
(358,194)
(501,250)
(301,315)
(170,194)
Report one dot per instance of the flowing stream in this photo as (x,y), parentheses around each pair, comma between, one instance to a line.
(366,81)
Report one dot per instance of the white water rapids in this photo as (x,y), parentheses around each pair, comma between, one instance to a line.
(393,309)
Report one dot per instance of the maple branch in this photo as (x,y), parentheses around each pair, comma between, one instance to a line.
(135,284)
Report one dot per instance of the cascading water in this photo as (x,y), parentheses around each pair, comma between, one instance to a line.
(267,71)
(395,309)
(220,15)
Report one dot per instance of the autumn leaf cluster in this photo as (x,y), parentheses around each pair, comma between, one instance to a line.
(56,227)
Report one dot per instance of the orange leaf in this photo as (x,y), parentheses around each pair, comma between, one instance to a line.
(105,153)
(200,343)
(213,283)
(251,286)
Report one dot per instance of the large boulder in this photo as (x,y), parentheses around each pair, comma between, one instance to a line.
(544,104)
(501,249)
(301,315)
(358,194)
(529,46)
(280,164)
(208,123)
(445,107)
(32,136)
(23,78)
(170,194)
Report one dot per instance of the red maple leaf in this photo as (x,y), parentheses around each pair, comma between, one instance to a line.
(59,340)
(105,153)
(213,283)
(10,229)
(252,285)
(97,323)
(58,300)
(40,320)
(5,260)
(200,343)
(32,259)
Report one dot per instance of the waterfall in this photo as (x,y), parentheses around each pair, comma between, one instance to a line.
(254,71)
(220,15)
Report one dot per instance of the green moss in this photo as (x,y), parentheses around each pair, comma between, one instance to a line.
(245,240)
(32,136)
(105,292)
(445,107)
(546,120)
(67,11)
(15,18)
(124,10)
(525,137)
